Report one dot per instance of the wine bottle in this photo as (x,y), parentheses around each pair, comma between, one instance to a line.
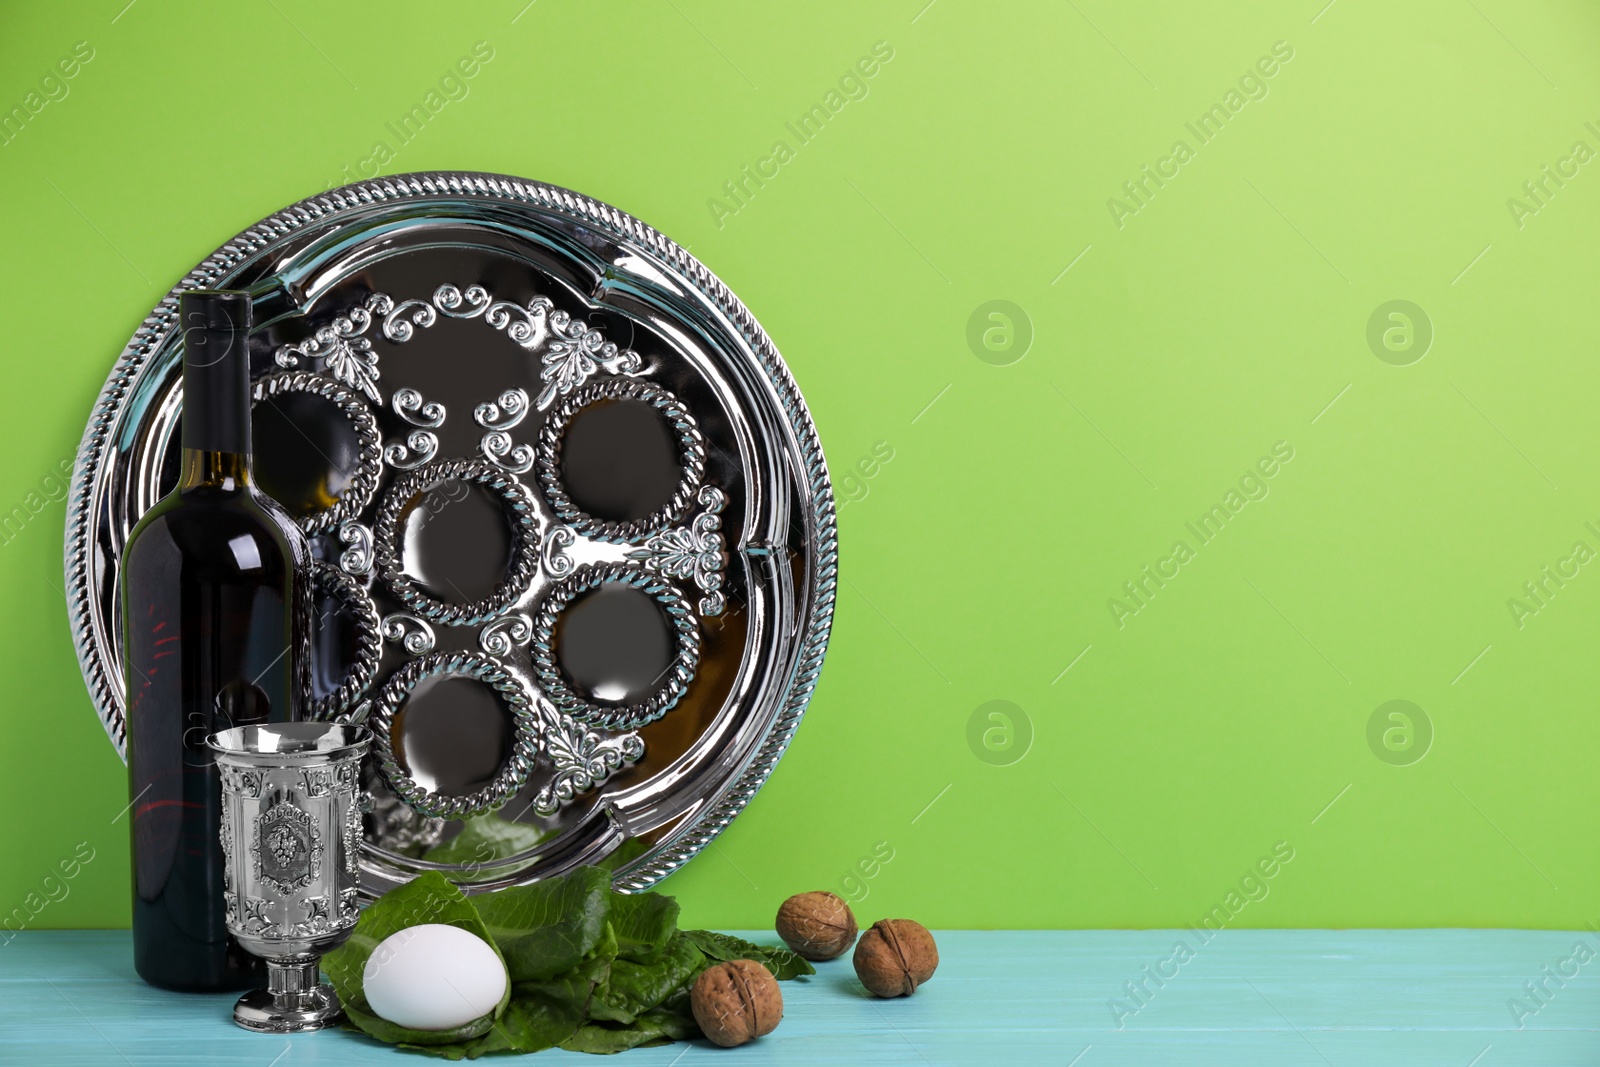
(214,620)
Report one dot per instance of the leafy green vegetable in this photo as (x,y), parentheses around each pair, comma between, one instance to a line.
(384,1030)
(428,898)
(544,1014)
(680,1001)
(652,1028)
(783,964)
(532,1023)
(592,970)
(484,842)
(575,987)
(635,987)
(547,928)
(644,922)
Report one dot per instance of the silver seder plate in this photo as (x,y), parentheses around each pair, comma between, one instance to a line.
(574,533)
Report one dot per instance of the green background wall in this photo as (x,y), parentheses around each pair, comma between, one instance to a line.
(1151,753)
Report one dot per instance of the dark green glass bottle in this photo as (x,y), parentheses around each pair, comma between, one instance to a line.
(213,617)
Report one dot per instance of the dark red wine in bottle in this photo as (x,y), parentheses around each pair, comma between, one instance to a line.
(213,624)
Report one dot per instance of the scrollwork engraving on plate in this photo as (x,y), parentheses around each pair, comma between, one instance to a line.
(503,414)
(676,679)
(694,551)
(511,775)
(357,559)
(409,405)
(524,325)
(581,759)
(419,447)
(345,352)
(502,635)
(414,634)
(575,354)
(285,848)
(557,563)
(400,324)
(498,449)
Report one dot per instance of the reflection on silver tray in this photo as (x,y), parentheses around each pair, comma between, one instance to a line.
(409,492)
(668,684)
(575,537)
(691,447)
(512,772)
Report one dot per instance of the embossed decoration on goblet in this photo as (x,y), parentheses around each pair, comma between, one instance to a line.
(291,817)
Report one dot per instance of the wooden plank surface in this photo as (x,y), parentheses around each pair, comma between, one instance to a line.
(1363,998)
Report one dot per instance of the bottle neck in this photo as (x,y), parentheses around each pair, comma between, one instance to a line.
(216,388)
(204,468)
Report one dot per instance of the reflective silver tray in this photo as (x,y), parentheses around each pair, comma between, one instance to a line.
(574,533)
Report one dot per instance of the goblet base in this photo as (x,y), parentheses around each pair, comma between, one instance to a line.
(293,1002)
(292,1013)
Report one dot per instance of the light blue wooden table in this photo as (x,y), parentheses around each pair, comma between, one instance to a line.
(1360,998)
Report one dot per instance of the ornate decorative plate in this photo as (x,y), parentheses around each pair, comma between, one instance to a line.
(574,534)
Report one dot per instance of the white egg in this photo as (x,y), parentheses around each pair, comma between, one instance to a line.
(433,977)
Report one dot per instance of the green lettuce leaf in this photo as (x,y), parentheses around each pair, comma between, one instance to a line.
(652,1028)
(580,982)
(546,929)
(783,964)
(644,922)
(532,1023)
(680,1003)
(428,898)
(634,988)
(386,1031)
(543,1014)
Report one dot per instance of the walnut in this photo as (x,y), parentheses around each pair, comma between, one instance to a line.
(736,1002)
(819,926)
(895,956)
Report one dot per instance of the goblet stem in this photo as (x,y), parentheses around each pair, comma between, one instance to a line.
(294,1001)
(288,978)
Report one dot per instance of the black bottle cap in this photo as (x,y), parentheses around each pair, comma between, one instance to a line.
(215,309)
(215,325)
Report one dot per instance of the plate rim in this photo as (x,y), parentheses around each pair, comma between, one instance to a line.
(685,841)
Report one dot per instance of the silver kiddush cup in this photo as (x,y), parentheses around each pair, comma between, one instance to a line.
(291,840)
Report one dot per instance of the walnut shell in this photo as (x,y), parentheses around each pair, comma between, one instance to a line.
(736,1002)
(895,956)
(819,925)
